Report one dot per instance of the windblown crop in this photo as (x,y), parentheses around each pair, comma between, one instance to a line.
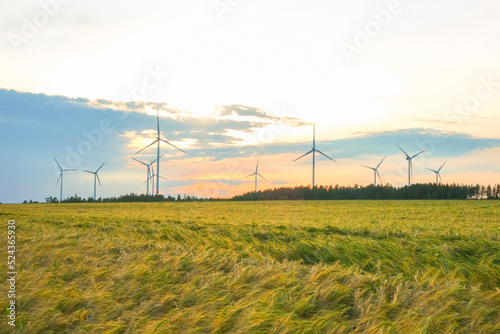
(259,267)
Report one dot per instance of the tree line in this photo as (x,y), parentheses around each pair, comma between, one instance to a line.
(132,197)
(418,191)
(414,192)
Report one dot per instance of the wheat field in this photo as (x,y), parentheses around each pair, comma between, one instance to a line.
(257,267)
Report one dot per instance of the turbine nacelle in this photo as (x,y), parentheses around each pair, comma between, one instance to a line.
(60,178)
(375,172)
(313,151)
(256,174)
(410,165)
(437,172)
(96,177)
(158,140)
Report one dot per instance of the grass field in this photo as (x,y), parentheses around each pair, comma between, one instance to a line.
(259,267)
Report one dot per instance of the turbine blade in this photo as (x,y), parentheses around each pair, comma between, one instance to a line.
(249,175)
(88,171)
(149,178)
(100,167)
(257,167)
(369,167)
(97,175)
(154,142)
(379,178)
(57,163)
(262,177)
(435,171)
(60,175)
(163,140)
(314,135)
(69,170)
(381,162)
(158,122)
(139,161)
(417,154)
(323,154)
(161,177)
(441,166)
(440,177)
(152,162)
(303,155)
(403,151)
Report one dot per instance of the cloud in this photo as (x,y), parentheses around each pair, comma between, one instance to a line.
(103,101)
(435,142)
(37,127)
(458,120)
(240,110)
(81,100)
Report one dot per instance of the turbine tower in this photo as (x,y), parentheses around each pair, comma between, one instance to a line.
(95,177)
(410,165)
(158,140)
(313,151)
(61,177)
(256,174)
(437,173)
(153,177)
(375,172)
(148,173)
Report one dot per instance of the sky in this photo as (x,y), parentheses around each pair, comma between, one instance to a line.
(235,81)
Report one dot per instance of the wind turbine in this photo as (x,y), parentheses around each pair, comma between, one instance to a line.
(437,173)
(410,165)
(313,151)
(95,176)
(158,140)
(148,173)
(256,174)
(61,177)
(153,177)
(375,172)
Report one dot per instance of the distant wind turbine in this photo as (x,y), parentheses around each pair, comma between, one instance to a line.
(96,176)
(256,174)
(148,173)
(375,172)
(410,165)
(313,151)
(61,177)
(437,173)
(158,140)
(153,177)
